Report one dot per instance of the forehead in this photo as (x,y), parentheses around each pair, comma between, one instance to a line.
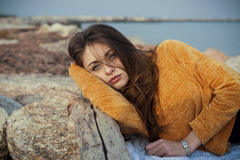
(94,52)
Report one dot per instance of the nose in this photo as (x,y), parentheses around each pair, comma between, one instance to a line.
(109,69)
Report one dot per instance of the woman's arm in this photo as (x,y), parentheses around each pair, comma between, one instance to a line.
(166,148)
(221,80)
(193,141)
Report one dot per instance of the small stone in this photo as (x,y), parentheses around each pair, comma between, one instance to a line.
(9,105)
(3,143)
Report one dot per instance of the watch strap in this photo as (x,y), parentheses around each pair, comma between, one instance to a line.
(186,148)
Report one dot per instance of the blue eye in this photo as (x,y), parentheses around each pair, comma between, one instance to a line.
(96,67)
(112,56)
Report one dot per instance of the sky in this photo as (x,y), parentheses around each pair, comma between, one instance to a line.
(146,8)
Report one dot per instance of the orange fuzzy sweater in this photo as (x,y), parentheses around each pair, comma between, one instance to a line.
(196,93)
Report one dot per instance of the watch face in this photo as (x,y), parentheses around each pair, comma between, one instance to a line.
(184,144)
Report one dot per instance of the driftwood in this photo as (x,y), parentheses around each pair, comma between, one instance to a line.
(98,135)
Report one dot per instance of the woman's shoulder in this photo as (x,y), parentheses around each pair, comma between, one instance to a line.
(168,47)
(178,49)
(170,43)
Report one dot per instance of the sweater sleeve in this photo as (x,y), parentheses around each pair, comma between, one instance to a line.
(222,80)
(108,100)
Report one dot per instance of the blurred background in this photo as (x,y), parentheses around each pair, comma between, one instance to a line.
(34,60)
(224,36)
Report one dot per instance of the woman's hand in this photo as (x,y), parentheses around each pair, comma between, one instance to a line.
(165,148)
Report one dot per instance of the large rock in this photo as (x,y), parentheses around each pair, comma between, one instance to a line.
(61,29)
(8,41)
(3,143)
(216,54)
(98,135)
(27,89)
(9,105)
(136,40)
(39,131)
(58,47)
(234,62)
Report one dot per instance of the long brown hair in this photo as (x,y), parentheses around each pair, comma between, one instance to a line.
(139,65)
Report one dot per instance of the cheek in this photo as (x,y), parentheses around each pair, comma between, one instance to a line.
(119,64)
(127,78)
(101,76)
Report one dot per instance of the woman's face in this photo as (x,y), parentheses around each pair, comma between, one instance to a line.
(101,61)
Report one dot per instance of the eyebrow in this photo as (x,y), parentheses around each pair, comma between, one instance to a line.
(92,63)
(106,54)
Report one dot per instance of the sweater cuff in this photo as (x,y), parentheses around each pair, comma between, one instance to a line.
(200,131)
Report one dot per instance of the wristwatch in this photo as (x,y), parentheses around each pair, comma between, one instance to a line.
(185,146)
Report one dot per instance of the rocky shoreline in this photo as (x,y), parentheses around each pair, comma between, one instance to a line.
(78,20)
(35,89)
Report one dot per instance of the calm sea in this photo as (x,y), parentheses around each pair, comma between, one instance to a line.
(224,36)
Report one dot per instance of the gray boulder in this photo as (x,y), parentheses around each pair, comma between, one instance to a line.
(9,105)
(3,143)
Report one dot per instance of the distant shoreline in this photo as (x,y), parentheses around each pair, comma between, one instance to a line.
(78,20)
(87,19)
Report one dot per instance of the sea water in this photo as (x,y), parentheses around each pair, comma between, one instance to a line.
(224,36)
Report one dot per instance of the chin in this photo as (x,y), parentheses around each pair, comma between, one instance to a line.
(117,88)
(120,85)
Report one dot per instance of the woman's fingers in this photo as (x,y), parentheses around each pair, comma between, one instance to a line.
(165,148)
(153,151)
(153,144)
(154,147)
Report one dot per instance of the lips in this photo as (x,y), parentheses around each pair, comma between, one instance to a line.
(115,79)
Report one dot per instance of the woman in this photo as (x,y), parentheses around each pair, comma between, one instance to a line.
(185,99)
